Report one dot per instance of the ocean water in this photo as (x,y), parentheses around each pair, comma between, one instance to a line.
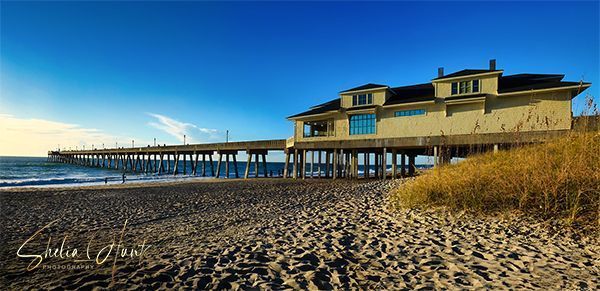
(38,172)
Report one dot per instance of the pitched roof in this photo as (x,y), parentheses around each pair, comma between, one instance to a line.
(328,106)
(523,82)
(542,85)
(466,72)
(409,94)
(426,91)
(365,87)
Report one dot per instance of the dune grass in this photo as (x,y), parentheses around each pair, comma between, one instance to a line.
(558,180)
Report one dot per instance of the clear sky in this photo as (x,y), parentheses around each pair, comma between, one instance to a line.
(81,73)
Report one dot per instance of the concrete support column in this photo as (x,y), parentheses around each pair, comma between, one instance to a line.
(384,163)
(176,166)
(264,160)
(248,161)
(366,167)
(303,164)
(219,164)
(212,167)
(376,162)
(235,166)
(287,164)
(319,164)
(168,163)
(355,158)
(394,163)
(295,167)
(403,165)
(312,164)
(411,164)
(334,173)
(227,165)
(327,164)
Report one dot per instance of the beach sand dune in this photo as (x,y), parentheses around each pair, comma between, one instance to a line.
(268,233)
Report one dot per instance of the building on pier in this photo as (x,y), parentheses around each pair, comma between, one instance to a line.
(445,117)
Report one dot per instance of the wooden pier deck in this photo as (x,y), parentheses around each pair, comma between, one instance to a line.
(157,159)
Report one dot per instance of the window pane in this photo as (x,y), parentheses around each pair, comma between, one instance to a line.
(362,124)
(411,112)
(454,88)
(475,85)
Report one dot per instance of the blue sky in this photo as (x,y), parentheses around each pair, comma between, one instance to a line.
(145,70)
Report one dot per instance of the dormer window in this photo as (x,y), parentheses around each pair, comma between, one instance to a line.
(362,99)
(465,87)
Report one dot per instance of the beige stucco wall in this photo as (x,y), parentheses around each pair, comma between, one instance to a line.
(525,112)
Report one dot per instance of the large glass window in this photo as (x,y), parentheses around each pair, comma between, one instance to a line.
(362,99)
(318,128)
(412,112)
(362,124)
(465,87)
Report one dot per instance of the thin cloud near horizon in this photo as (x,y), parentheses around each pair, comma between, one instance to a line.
(178,129)
(34,136)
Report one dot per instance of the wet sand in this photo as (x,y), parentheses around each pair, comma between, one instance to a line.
(274,233)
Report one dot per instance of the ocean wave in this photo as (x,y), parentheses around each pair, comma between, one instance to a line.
(82,181)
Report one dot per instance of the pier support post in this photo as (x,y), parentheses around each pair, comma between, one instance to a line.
(394,163)
(184,164)
(168,163)
(319,164)
(403,165)
(131,157)
(195,164)
(327,163)
(219,165)
(366,167)
(384,163)
(411,164)
(312,164)
(264,160)
(376,162)
(435,156)
(160,167)
(212,167)
(354,163)
(335,157)
(227,166)
(295,167)
(256,166)
(495,148)
(176,167)
(249,160)
(287,163)
(155,168)
(203,165)
(303,164)
(235,167)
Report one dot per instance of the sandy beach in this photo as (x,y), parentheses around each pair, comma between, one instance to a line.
(274,233)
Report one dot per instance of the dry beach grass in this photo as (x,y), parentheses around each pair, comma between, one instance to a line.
(276,234)
(558,180)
